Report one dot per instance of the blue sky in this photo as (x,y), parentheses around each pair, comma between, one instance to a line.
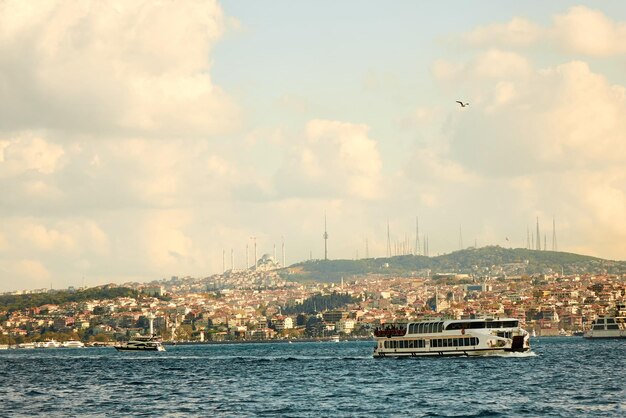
(140,140)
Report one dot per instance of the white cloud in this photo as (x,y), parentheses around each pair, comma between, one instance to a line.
(580,30)
(29,152)
(517,32)
(126,67)
(590,32)
(500,64)
(337,159)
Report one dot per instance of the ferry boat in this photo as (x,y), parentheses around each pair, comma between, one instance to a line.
(73,344)
(607,327)
(49,344)
(141,343)
(466,337)
(28,346)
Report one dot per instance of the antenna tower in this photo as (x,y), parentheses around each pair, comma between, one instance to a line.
(325,240)
(388,241)
(554,247)
(538,245)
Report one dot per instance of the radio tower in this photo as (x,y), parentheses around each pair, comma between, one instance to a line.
(388,241)
(325,240)
(554,247)
(417,236)
(538,246)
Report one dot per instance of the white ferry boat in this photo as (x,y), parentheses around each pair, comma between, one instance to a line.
(466,337)
(608,327)
(141,343)
(73,344)
(28,346)
(49,344)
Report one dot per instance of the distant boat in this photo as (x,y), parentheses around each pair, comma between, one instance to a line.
(335,338)
(72,344)
(49,344)
(141,343)
(607,327)
(29,346)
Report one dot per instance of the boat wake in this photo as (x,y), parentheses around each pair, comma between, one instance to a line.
(513,354)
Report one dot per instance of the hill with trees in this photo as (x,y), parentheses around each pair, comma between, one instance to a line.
(492,260)
(18,302)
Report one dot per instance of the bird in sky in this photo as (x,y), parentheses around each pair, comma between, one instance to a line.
(462,104)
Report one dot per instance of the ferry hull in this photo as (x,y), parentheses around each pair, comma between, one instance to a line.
(121,348)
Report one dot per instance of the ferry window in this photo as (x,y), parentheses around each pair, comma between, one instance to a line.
(455,342)
(440,327)
(419,328)
(445,342)
(610,321)
(612,326)
(596,327)
(477,324)
(434,343)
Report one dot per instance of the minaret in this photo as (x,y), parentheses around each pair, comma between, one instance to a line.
(232,260)
(274,252)
(527,238)
(284,265)
(325,240)
(255,256)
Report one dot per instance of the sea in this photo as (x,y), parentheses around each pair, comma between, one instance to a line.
(561,377)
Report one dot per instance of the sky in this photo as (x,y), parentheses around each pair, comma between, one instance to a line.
(141,140)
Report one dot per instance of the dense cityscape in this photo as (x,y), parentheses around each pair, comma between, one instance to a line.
(262,303)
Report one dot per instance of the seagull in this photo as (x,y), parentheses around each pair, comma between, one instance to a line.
(462,104)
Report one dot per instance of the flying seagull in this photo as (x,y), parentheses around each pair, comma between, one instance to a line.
(462,104)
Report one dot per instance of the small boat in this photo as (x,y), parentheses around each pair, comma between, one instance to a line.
(49,344)
(468,337)
(4,346)
(28,346)
(141,343)
(72,344)
(335,338)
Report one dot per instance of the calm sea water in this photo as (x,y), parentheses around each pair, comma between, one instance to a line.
(563,377)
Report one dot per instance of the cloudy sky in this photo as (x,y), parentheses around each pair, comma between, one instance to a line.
(140,140)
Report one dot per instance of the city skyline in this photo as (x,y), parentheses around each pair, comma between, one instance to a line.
(142,140)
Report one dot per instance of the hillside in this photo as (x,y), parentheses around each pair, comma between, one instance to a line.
(479,261)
